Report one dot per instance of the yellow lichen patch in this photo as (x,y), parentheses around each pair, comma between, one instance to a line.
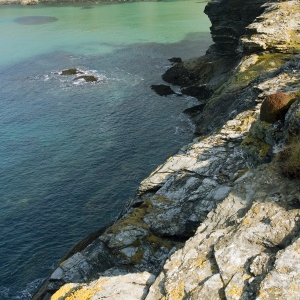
(234,291)
(199,263)
(71,291)
(294,287)
(246,222)
(82,294)
(246,122)
(271,293)
(256,208)
(177,293)
(297,249)
(64,291)
(257,145)
(284,270)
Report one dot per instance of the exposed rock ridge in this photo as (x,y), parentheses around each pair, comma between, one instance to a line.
(206,224)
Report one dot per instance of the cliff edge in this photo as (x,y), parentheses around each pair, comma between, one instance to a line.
(219,219)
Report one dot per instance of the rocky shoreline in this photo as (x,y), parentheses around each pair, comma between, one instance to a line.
(219,219)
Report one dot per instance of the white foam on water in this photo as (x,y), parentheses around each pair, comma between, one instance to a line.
(31,287)
(27,293)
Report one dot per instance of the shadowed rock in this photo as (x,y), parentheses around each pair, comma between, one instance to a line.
(162,90)
(175,60)
(35,20)
(71,71)
(200,92)
(195,110)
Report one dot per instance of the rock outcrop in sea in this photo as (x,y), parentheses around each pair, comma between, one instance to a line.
(221,218)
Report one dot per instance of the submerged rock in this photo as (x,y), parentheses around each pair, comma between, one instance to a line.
(35,20)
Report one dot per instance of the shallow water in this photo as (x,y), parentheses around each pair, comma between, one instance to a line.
(72,153)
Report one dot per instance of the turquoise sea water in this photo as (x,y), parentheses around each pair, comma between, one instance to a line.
(72,153)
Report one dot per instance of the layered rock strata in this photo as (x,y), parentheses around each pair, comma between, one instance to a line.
(218,220)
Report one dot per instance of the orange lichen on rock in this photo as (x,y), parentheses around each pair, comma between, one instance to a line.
(275,106)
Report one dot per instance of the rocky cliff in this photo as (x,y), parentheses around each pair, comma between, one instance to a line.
(220,219)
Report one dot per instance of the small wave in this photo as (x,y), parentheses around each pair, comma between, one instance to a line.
(185,125)
(4,292)
(25,294)
(66,81)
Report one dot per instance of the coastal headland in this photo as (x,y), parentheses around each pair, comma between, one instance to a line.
(219,219)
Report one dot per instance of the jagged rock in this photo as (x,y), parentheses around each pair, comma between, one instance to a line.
(275,106)
(235,246)
(195,110)
(283,281)
(292,119)
(162,90)
(175,60)
(229,20)
(200,92)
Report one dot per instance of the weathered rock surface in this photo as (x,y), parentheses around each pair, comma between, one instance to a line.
(217,220)
(242,248)
(277,29)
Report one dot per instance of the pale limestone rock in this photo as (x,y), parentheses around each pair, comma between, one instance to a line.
(130,286)
(276,29)
(212,289)
(237,242)
(283,282)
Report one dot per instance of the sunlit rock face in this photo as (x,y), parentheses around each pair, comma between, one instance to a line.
(276,30)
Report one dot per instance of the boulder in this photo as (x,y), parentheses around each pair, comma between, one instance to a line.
(275,106)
